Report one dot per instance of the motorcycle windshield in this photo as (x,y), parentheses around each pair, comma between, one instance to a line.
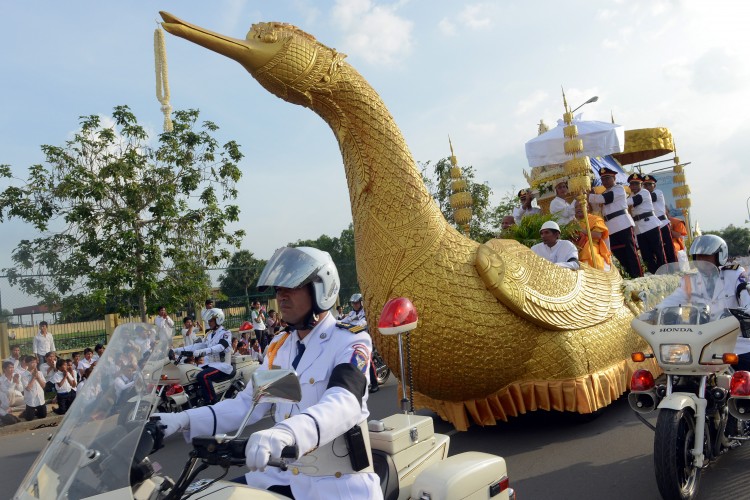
(698,296)
(92,451)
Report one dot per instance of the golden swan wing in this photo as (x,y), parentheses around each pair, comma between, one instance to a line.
(546,294)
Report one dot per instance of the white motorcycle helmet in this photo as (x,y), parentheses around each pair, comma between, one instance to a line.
(710,244)
(357,297)
(295,267)
(216,314)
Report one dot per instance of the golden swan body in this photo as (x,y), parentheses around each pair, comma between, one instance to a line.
(502,331)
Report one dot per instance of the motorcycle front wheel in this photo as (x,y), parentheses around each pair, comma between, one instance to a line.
(674,439)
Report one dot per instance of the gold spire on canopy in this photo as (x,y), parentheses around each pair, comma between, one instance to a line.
(460,199)
(578,170)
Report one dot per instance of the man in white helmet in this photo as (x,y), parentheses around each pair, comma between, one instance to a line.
(356,317)
(217,355)
(560,252)
(331,363)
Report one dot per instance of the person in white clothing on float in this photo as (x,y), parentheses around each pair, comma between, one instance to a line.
(564,211)
(560,252)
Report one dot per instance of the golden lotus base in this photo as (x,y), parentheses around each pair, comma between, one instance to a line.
(585,394)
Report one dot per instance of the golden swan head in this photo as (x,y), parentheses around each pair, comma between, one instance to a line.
(286,61)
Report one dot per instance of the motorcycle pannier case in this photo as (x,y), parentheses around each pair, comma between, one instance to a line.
(400,432)
(466,475)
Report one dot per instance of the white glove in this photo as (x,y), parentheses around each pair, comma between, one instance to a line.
(198,353)
(174,422)
(266,444)
(178,350)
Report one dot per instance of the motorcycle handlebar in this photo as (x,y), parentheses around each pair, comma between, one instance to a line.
(233,452)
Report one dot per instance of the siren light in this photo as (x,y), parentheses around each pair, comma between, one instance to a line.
(398,316)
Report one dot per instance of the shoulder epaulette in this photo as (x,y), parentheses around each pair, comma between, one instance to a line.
(351,328)
(730,267)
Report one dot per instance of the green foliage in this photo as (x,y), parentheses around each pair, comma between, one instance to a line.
(486,219)
(118,217)
(737,238)
(527,232)
(241,277)
(342,253)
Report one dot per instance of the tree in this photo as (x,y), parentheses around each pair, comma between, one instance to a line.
(120,217)
(737,238)
(342,253)
(486,219)
(242,275)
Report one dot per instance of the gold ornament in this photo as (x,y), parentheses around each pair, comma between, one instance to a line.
(579,185)
(537,337)
(679,191)
(683,203)
(573,146)
(677,169)
(678,178)
(577,166)
(570,131)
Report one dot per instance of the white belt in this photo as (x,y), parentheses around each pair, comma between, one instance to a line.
(331,459)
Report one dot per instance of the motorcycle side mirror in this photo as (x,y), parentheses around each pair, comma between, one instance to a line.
(276,386)
(269,386)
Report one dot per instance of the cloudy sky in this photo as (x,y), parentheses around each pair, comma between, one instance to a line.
(484,73)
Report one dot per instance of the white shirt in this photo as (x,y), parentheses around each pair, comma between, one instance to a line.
(62,382)
(258,323)
(565,211)
(520,212)
(43,344)
(563,253)
(642,206)
(4,404)
(84,364)
(614,200)
(164,323)
(16,363)
(190,337)
(660,207)
(33,394)
(336,410)
(10,388)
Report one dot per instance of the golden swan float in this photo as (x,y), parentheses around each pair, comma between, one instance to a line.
(525,334)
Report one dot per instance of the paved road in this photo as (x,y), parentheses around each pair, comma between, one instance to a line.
(549,456)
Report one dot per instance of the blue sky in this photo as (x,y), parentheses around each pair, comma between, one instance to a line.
(484,73)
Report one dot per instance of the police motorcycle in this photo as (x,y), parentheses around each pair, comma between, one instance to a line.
(103,447)
(704,405)
(178,388)
(382,371)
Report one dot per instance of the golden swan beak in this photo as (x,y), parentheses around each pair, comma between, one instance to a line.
(252,54)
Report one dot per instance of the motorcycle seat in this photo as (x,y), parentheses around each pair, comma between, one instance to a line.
(386,471)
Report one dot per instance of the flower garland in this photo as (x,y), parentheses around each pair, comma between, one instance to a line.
(642,294)
(162,82)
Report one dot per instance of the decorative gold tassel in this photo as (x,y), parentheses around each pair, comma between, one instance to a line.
(683,203)
(162,81)
(679,191)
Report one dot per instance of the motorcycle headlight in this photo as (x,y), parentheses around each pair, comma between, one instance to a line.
(676,354)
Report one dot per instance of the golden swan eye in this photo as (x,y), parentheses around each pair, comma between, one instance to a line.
(326,78)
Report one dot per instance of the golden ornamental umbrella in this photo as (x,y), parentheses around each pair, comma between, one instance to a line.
(645,144)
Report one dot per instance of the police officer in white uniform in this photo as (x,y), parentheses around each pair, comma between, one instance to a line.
(732,294)
(647,226)
(660,210)
(217,353)
(356,317)
(332,368)
(619,222)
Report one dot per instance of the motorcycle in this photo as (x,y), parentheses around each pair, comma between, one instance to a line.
(102,448)
(704,406)
(178,388)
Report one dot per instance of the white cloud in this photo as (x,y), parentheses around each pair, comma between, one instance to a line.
(531,102)
(447,27)
(487,128)
(476,16)
(717,71)
(374,32)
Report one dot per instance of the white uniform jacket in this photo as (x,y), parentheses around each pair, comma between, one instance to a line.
(43,344)
(615,209)
(217,342)
(520,212)
(355,317)
(335,410)
(660,207)
(563,253)
(643,212)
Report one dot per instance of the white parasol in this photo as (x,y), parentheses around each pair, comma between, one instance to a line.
(599,139)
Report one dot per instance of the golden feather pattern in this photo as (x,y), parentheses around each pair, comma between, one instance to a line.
(521,343)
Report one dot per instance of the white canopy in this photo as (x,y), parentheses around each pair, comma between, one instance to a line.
(599,139)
